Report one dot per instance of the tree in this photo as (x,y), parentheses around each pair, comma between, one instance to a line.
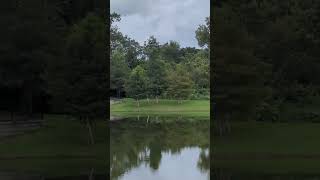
(151,48)
(72,11)
(28,41)
(180,85)
(116,37)
(238,74)
(203,34)
(80,79)
(287,38)
(188,51)
(170,52)
(156,72)
(130,48)
(132,52)
(137,84)
(199,68)
(119,71)
(155,67)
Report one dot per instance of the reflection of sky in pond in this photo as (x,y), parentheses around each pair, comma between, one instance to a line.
(160,150)
(173,166)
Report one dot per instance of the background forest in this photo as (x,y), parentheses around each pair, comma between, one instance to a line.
(53,57)
(155,70)
(266,61)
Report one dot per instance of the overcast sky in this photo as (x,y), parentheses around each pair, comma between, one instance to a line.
(165,19)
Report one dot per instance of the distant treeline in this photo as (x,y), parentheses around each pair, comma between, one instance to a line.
(155,70)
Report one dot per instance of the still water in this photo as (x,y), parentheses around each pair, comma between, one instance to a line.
(151,150)
(22,176)
(160,150)
(225,174)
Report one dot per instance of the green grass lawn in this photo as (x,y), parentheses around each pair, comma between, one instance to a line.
(129,107)
(60,143)
(269,147)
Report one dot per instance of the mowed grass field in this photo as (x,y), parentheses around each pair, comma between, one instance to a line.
(129,107)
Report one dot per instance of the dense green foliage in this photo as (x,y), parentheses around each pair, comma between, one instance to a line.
(265,58)
(84,71)
(157,70)
(136,85)
(53,57)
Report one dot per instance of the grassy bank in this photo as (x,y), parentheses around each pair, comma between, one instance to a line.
(60,136)
(269,147)
(61,141)
(272,166)
(129,107)
(270,138)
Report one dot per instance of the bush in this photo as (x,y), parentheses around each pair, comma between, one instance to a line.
(268,112)
(201,94)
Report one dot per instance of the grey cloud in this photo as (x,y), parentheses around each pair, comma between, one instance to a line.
(165,19)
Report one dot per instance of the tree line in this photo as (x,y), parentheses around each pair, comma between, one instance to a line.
(155,70)
(265,57)
(54,57)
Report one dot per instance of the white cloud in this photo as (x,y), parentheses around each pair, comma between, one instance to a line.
(165,19)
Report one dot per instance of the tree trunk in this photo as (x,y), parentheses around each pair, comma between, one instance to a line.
(44,4)
(13,120)
(30,109)
(42,115)
(27,98)
(157,99)
(91,138)
(91,177)
(118,93)
(222,127)
(138,104)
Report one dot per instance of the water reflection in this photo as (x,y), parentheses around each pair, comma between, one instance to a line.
(53,169)
(21,176)
(159,149)
(226,174)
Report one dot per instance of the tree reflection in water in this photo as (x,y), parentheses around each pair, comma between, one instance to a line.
(138,142)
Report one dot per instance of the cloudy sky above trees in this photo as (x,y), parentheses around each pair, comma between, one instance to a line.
(165,19)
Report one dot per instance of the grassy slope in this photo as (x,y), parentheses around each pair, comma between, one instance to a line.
(267,147)
(59,137)
(61,141)
(129,107)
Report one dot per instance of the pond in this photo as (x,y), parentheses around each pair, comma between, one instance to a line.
(227,174)
(26,176)
(163,149)
(52,169)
